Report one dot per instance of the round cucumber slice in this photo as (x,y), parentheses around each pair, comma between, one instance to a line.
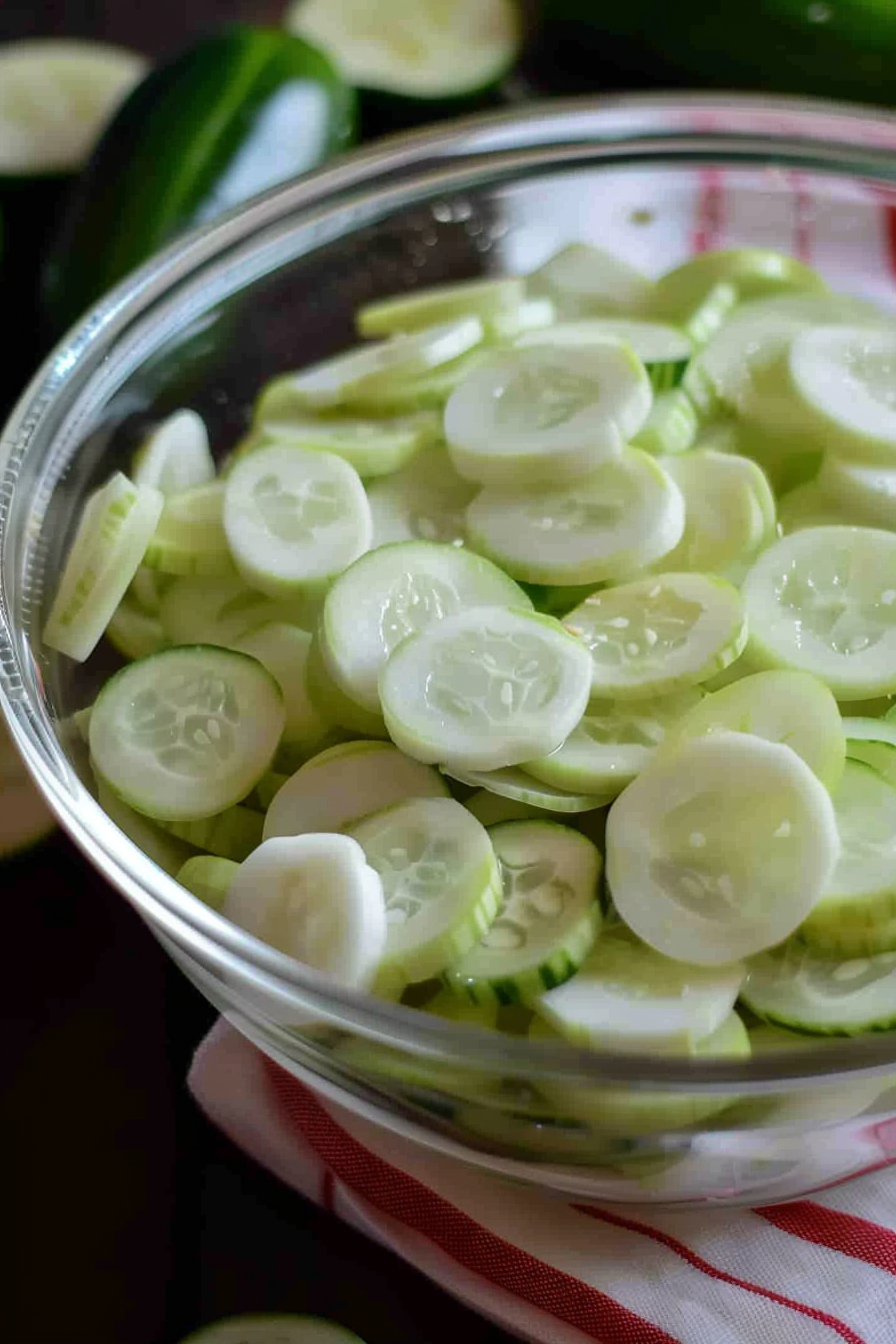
(484,299)
(530,315)
(333,704)
(797,988)
(659,635)
(223,611)
(396,591)
(341,785)
(627,996)
(490,808)
(175,456)
(273,1329)
(809,506)
(520,787)
(824,600)
(147,589)
(729,511)
(425,501)
(542,415)
(613,742)
(671,426)
(584,281)
(872,741)
(720,848)
(56,96)
(753,271)
(232,834)
(625,515)
(190,537)
(187,732)
(663,350)
(315,898)
(133,632)
(844,376)
(792,708)
(485,688)
(797,1110)
(423,392)
(208,878)
(164,849)
(372,447)
(441,884)
(548,916)
(866,492)
(283,649)
(848,941)
(295,519)
(24,816)
(115,529)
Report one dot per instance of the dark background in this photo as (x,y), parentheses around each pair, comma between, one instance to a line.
(129,1219)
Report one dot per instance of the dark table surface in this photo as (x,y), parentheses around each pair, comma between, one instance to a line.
(130,1219)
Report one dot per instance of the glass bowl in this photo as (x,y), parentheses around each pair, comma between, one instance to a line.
(274,285)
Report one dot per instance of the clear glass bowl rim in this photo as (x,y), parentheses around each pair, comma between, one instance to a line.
(847,139)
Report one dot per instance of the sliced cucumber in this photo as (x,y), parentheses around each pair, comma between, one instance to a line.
(273,1329)
(797,988)
(849,941)
(223,611)
(190,536)
(625,515)
(530,315)
(113,534)
(341,785)
(659,635)
(810,506)
(208,878)
(372,447)
(232,834)
(294,519)
(547,920)
(186,733)
(729,511)
(441,884)
(490,808)
(824,600)
(874,742)
(425,392)
(844,378)
(585,281)
(334,705)
(543,415)
(266,789)
(133,632)
(750,272)
(396,591)
(425,501)
(169,853)
(175,456)
(521,787)
(283,649)
(671,426)
(24,816)
(147,589)
(626,996)
(865,492)
(720,848)
(485,688)
(663,350)
(484,299)
(315,898)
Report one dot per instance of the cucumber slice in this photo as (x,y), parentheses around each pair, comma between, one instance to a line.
(266,789)
(490,808)
(792,708)
(626,514)
(829,1105)
(223,611)
(671,426)
(273,1329)
(865,492)
(283,649)
(190,536)
(333,704)
(702,317)
(530,315)
(663,350)
(56,96)
(659,635)
(845,942)
(584,281)
(169,853)
(441,884)
(809,506)
(175,457)
(372,447)
(341,785)
(294,519)
(553,601)
(424,501)
(547,919)
(113,534)
(720,848)
(613,743)
(797,988)
(485,688)
(824,600)
(133,632)
(315,898)
(844,376)
(520,787)
(626,996)
(232,834)
(425,392)
(872,741)
(484,299)
(208,878)
(542,415)
(750,272)
(147,589)
(186,733)
(24,816)
(729,511)
(396,591)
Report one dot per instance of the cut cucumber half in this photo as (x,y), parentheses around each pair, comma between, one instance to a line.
(484,299)
(315,898)
(24,816)
(273,1329)
(232,834)
(223,611)
(294,519)
(190,536)
(613,743)
(792,708)
(541,415)
(586,281)
(490,808)
(133,632)
(626,996)
(720,848)
(866,492)
(659,635)
(663,350)
(441,884)
(115,529)
(394,592)
(729,512)
(827,996)
(175,456)
(824,600)
(844,377)
(520,787)
(56,96)
(186,733)
(425,501)
(625,515)
(341,785)
(283,649)
(671,426)
(485,688)
(372,447)
(548,918)
(208,878)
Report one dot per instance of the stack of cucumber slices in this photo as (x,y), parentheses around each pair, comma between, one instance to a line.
(499,663)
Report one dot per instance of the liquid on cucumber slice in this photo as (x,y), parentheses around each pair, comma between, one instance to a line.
(484,299)
(190,536)
(373,447)
(224,611)
(283,649)
(658,635)
(208,878)
(485,688)
(823,600)
(176,455)
(721,847)
(116,526)
(843,377)
(625,515)
(827,996)
(586,281)
(294,519)
(541,415)
(441,885)
(341,785)
(520,787)
(546,920)
(315,898)
(394,592)
(187,732)
(425,501)
(672,425)
(729,513)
